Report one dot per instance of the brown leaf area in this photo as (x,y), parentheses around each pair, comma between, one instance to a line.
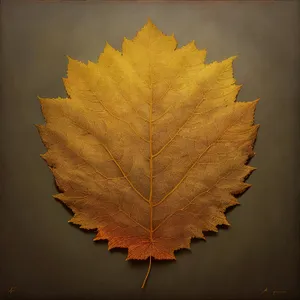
(150,148)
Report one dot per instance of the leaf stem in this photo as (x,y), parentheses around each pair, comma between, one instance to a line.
(147,274)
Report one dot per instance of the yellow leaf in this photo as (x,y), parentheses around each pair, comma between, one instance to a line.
(150,147)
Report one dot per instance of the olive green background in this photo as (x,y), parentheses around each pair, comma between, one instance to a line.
(44,257)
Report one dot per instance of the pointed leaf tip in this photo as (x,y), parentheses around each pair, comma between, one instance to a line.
(149,21)
(234,57)
(108,47)
(255,102)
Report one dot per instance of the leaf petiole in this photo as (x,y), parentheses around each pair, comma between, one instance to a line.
(147,274)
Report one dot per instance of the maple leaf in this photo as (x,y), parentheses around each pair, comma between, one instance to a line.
(150,148)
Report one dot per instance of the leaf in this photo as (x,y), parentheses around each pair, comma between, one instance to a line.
(150,147)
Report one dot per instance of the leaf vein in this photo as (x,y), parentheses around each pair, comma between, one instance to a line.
(197,159)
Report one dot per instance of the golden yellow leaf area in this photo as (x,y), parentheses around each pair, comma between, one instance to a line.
(150,147)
